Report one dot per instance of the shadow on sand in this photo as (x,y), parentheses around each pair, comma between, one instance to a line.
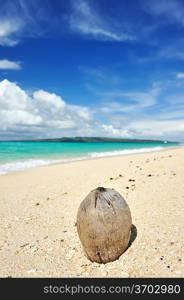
(133,235)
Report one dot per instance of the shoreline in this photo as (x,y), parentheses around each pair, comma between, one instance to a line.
(75,160)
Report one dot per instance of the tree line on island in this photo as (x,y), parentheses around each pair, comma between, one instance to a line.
(95,140)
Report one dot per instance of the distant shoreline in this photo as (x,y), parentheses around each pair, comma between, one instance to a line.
(91,140)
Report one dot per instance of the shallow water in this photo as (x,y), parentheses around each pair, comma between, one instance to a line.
(16,156)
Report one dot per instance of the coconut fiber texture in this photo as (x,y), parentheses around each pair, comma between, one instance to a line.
(104,225)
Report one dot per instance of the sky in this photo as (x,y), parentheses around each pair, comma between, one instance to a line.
(92,68)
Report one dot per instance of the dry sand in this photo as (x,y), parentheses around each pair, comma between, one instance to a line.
(38,208)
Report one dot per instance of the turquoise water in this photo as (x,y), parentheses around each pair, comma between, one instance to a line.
(22,155)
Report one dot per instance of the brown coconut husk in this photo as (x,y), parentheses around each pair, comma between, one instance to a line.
(104,225)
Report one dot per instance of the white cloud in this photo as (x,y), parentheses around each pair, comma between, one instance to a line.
(167,51)
(158,128)
(12,96)
(171,10)
(82,112)
(180,75)
(111,107)
(9,65)
(22,18)
(130,119)
(129,101)
(41,115)
(18,117)
(101,75)
(62,124)
(86,20)
(143,99)
(9,28)
(148,129)
(49,101)
(46,115)
(172,113)
(112,131)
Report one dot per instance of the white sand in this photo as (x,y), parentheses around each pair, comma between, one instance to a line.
(38,210)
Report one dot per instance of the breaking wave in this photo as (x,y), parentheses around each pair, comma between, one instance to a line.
(33,163)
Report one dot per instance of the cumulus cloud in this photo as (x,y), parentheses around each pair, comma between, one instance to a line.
(41,115)
(9,65)
(113,131)
(47,115)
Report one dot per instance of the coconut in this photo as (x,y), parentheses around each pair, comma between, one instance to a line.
(104,225)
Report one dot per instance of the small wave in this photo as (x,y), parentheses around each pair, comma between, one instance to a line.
(33,163)
(123,152)
(23,165)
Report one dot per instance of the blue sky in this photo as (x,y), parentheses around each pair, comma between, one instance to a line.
(92,68)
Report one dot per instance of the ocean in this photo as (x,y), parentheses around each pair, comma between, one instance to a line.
(17,156)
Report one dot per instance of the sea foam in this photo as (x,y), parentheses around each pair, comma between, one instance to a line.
(33,163)
(124,152)
(23,165)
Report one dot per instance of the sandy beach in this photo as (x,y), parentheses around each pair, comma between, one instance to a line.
(38,207)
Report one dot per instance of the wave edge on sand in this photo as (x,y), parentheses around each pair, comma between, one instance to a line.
(14,166)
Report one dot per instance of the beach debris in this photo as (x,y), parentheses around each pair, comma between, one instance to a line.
(31,271)
(127,187)
(33,249)
(118,177)
(37,204)
(104,225)
(149,175)
(28,218)
(24,245)
(111,178)
(131,180)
